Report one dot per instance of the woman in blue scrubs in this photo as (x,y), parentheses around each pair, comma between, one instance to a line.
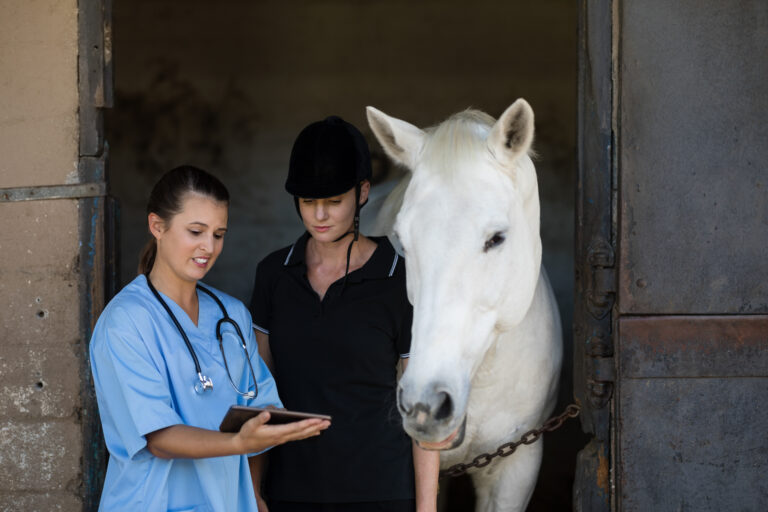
(164,381)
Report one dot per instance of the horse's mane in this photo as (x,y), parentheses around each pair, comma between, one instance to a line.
(457,139)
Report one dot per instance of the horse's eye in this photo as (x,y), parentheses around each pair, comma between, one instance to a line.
(496,239)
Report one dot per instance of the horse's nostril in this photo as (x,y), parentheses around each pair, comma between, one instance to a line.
(401,406)
(445,406)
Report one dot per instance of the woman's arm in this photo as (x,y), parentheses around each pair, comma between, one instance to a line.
(186,442)
(256,464)
(426,465)
(427,468)
(266,354)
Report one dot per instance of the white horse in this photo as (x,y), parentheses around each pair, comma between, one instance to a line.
(486,349)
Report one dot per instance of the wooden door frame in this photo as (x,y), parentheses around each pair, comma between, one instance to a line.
(595,242)
(97,233)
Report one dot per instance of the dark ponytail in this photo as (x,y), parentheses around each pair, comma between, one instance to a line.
(147,256)
(167,198)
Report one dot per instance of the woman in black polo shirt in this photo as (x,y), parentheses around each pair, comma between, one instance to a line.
(332,320)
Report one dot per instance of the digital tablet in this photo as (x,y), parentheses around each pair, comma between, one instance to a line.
(239,414)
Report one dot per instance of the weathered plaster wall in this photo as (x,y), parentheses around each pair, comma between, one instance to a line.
(228,85)
(40,434)
(38,104)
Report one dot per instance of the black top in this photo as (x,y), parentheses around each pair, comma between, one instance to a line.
(338,356)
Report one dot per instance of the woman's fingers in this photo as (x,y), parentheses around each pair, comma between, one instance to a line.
(302,429)
(257,421)
(313,430)
(250,431)
(259,435)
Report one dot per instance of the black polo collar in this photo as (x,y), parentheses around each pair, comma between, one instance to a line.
(381,264)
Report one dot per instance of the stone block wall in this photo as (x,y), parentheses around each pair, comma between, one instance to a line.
(40,406)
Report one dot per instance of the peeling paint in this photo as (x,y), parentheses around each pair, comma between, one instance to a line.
(73,176)
(603,473)
(27,454)
(19,397)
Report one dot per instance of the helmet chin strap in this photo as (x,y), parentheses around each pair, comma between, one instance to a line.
(356,222)
(355,230)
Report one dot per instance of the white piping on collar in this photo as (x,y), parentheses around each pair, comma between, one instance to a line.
(394,264)
(289,255)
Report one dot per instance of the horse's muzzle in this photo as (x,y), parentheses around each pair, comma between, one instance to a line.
(452,441)
(435,406)
(430,420)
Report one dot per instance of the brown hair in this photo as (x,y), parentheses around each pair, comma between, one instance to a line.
(167,197)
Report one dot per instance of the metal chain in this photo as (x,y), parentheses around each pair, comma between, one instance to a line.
(508,449)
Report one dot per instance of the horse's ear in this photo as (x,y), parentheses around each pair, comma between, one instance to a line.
(401,141)
(512,135)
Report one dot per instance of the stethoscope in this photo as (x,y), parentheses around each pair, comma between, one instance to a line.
(205,383)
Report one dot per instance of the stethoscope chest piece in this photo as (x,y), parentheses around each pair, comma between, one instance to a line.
(203,384)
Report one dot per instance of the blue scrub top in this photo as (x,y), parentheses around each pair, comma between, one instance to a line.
(144,378)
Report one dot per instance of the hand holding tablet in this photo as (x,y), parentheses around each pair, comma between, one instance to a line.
(239,414)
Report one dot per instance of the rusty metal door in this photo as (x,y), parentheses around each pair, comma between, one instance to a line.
(671,318)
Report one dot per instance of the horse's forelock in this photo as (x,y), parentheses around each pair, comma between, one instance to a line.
(456,142)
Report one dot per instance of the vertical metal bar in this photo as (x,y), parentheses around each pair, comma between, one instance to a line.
(95,93)
(108,76)
(92,288)
(614,424)
(94,75)
(594,200)
(594,227)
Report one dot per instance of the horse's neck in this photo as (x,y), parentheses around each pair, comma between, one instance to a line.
(525,351)
(539,305)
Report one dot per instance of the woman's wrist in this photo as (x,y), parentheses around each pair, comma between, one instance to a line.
(240,446)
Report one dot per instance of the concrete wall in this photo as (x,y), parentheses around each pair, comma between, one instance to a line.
(228,85)
(40,431)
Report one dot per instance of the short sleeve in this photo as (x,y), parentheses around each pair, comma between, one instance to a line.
(261,300)
(133,393)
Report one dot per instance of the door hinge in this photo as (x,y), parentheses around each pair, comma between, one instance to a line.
(601,278)
(600,369)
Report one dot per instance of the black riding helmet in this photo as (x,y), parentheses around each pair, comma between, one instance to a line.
(328,158)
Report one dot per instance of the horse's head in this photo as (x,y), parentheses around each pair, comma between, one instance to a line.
(469,226)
